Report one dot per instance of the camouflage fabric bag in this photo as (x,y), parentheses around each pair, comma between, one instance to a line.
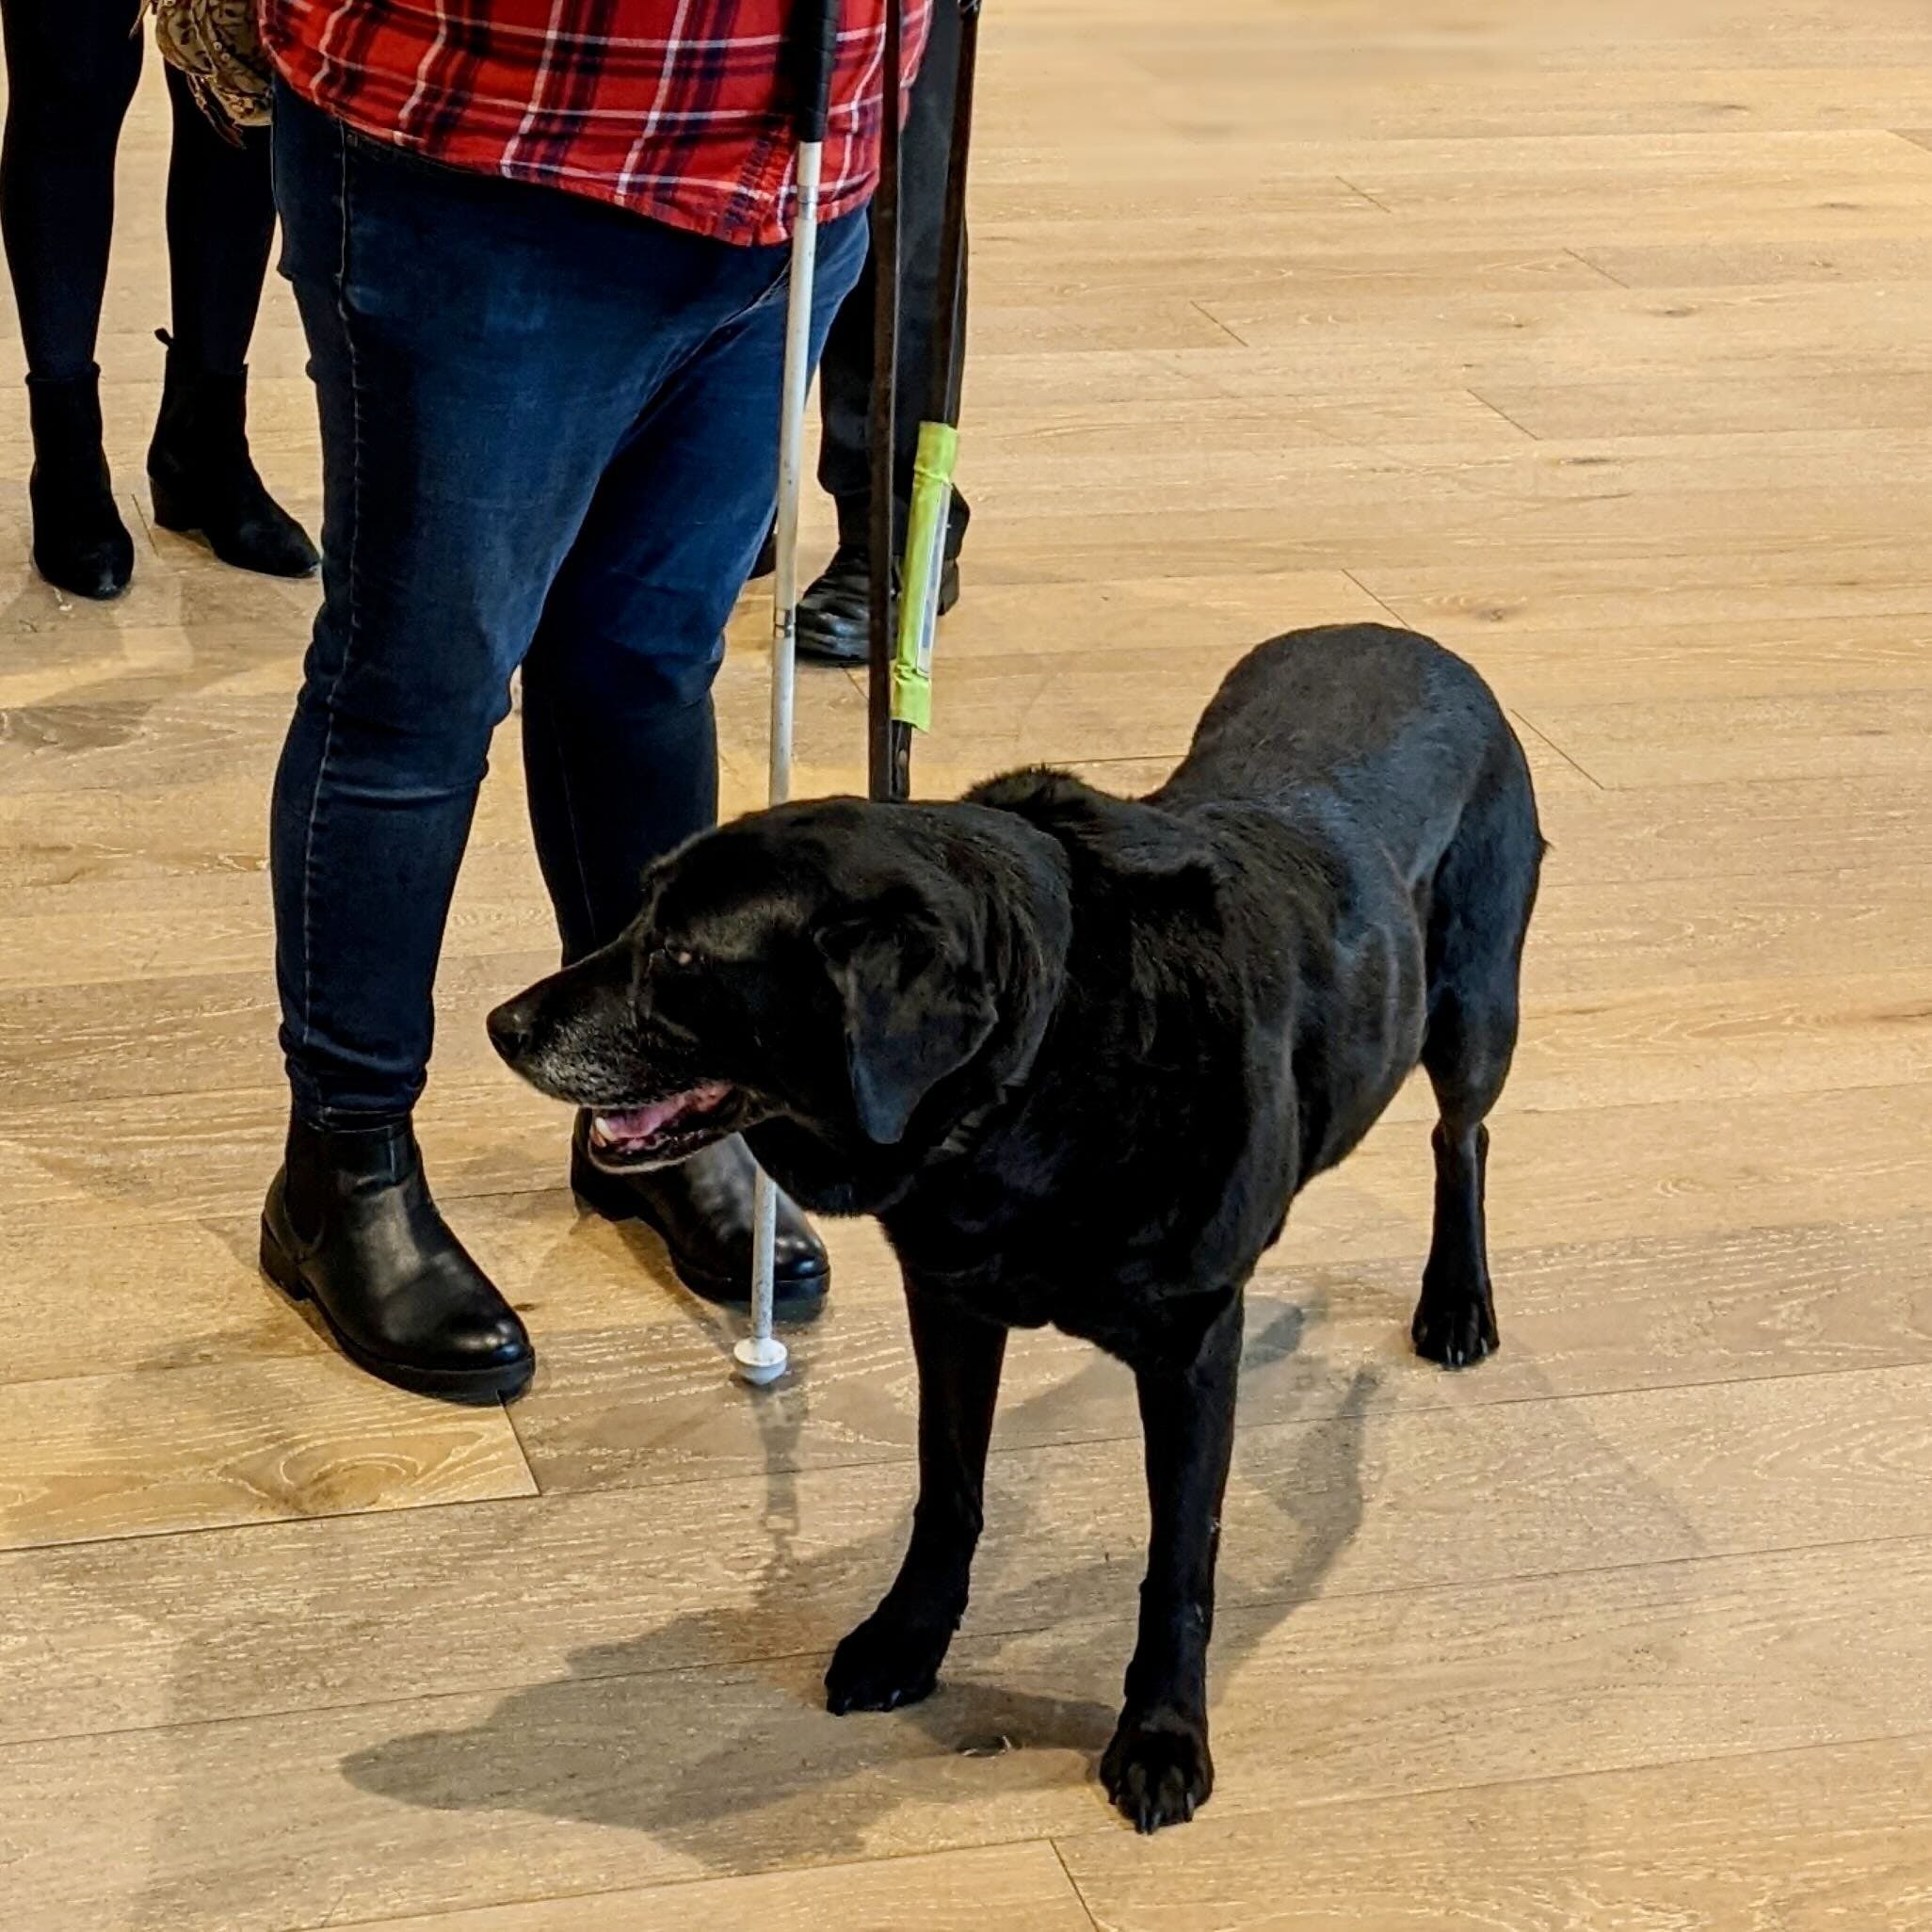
(217,45)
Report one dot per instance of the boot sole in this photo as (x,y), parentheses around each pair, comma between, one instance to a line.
(610,1201)
(458,1385)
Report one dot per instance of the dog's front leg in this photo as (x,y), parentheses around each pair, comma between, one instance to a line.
(893,1657)
(1157,1769)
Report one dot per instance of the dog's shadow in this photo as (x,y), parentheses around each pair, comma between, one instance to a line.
(737,1767)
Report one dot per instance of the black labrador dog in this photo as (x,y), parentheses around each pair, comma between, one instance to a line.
(1078,1053)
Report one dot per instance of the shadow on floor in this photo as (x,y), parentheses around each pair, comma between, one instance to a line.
(740,1768)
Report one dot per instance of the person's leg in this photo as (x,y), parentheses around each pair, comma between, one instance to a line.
(70,73)
(832,615)
(220,223)
(220,220)
(617,736)
(478,359)
(462,445)
(619,739)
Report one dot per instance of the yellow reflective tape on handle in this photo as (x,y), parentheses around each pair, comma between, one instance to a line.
(925,545)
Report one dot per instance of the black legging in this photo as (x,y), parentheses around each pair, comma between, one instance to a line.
(72,66)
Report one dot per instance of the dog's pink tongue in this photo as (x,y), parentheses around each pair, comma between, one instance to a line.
(642,1123)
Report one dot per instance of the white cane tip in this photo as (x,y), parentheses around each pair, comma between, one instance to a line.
(760,1362)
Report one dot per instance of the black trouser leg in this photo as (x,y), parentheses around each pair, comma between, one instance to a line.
(71,72)
(845,376)
(220,223)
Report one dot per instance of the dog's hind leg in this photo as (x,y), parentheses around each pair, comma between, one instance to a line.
(893,1657)
(1484,890)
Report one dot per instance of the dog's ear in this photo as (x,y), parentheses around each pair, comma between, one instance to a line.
(916,1009)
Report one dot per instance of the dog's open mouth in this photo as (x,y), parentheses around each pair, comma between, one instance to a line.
(664,1130)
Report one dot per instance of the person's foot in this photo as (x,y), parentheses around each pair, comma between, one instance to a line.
(765,562)
(702,1209)
(349,1225)
(204,479)
(834,624)
(80,543)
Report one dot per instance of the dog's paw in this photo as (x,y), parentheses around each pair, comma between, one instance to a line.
(1455,1333)
(886,1662)
(1157,1770)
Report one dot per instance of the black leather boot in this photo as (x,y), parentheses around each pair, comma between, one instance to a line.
(80,543)
(204,479)
(702,1210)
(833,622)
(349,1225)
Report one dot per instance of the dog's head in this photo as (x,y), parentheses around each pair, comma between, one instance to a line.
(825,964)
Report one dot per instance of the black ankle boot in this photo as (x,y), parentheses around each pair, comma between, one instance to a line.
(351,1226)
(204,479)
(702,1210)
(80,542)
(833,615)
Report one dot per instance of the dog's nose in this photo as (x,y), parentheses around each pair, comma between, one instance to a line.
(513,1028)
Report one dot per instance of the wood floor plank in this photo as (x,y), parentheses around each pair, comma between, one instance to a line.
(167,1449)
(1650,469)
(1797,1036)
(1807,397)
(1802,1840)
(1857,566)
(1076,402)
(1589,594)
(1846,734)
(1735,837)
(1532,669)
(1789,257)
(188,925)
(84,1298)
(1441,99)
(1020,1887)
(1677,932)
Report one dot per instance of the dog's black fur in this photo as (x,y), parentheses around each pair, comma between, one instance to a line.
(1078,1053)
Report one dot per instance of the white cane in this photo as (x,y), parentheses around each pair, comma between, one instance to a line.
(761,1356)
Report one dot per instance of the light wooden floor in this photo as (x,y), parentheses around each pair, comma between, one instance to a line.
(1607,360)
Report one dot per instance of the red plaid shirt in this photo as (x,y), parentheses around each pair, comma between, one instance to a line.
(676,108)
